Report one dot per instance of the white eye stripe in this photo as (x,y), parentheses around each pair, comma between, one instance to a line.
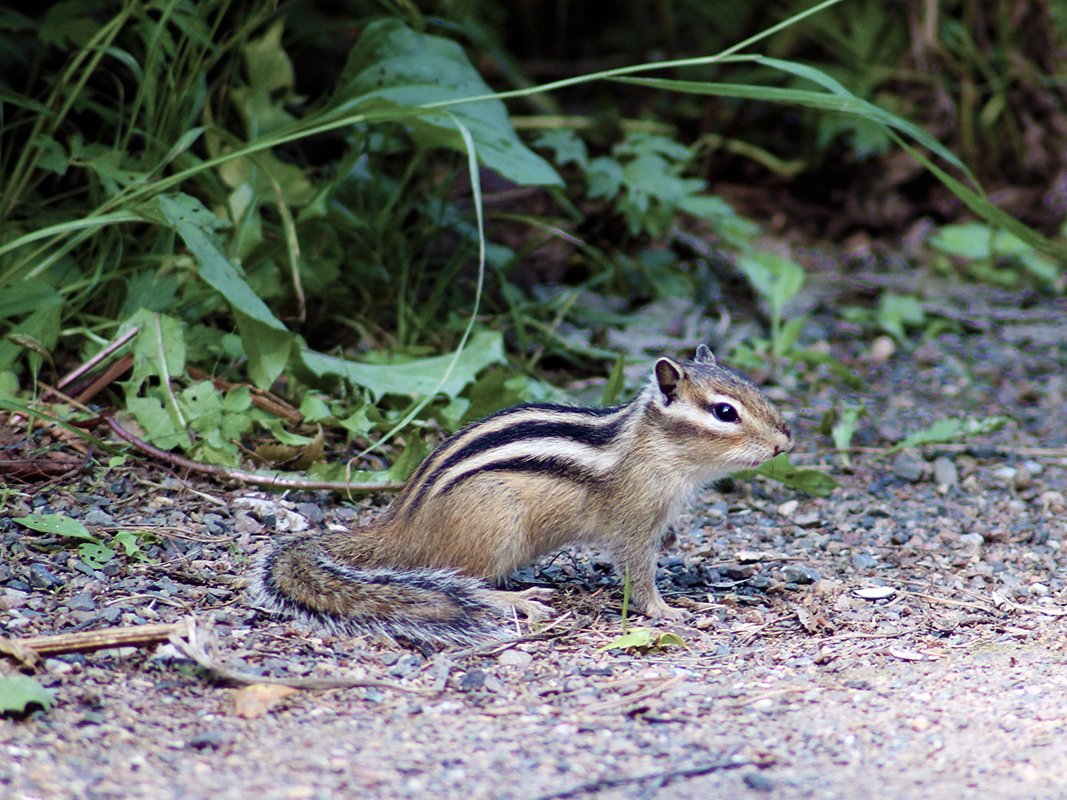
(703,417)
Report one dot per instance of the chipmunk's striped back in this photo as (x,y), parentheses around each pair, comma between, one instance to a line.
(523,482)
(579,444)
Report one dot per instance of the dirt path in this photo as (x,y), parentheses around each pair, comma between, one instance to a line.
(792,683)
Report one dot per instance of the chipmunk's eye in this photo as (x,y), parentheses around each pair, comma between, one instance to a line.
(724,412)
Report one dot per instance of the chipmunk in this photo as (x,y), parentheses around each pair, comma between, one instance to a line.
(519,484)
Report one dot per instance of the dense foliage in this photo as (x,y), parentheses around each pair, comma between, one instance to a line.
(319,199)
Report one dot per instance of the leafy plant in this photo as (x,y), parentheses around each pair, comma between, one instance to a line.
(945,430)
(777,280)
(994,256)
(644,177)
(842,424)
(644,640)
(92,550)
(779,469)
(162,172)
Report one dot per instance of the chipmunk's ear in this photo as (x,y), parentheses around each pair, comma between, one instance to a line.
(669,373)
(704,355)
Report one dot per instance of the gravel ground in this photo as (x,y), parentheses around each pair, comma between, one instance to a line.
(904,637)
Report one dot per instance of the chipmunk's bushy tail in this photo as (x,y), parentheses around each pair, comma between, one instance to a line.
(428,607)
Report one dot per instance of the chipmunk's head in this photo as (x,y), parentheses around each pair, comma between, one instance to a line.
(714,416)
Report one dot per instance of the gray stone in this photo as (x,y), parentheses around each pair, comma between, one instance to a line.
(908,466)
(97,516)
(472,680)
(81,602)
(42,578)
(798,573)
(864,561)
(759,782)
(945,473)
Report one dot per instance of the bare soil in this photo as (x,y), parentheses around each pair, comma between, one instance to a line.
(903,638)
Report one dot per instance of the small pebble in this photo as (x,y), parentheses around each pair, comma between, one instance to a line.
(97,516)
(1004,474)
(908,466)
(81,602)
(1022,479)
(42,578)
(472,679)
(882,349)
(515,658)
(945,472)
(864,561)
(787,508)
(207,740)
(798,573)
(758,782)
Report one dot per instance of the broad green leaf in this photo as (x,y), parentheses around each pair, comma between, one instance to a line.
(406,462)
(158,349)
(130,544)
(19,692)
(158,426)
(945,430)
(339,473)
(413,378)
(566,144)
(392,67)
(895,311)
(974,241)
(971,240)
(51,155)
(44,306)
(95,554)
(774,277)
(56,523)
(269,67)
(25,296)
(643,639)
(807,480)
(159,352)
(605,178)
(108,166)
(267,342)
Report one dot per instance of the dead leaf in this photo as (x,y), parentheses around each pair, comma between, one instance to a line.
(807,620)
(254,701)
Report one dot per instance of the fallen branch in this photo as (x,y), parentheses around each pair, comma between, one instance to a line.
(83,641)
(226,473)
(267,401)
